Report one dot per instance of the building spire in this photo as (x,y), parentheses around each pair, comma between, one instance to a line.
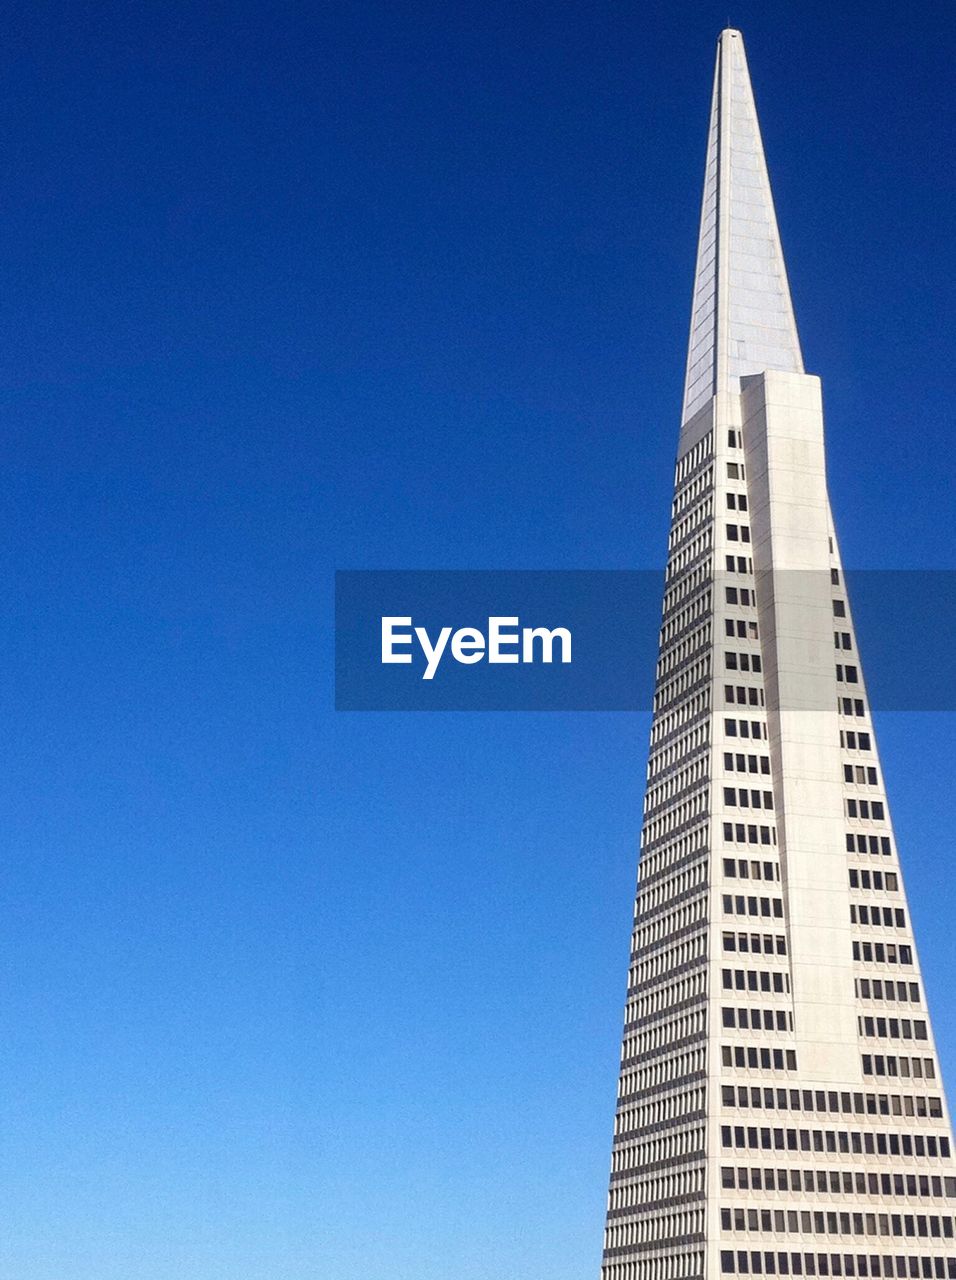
(742,318)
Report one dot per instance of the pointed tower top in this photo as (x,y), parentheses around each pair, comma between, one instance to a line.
(742,318)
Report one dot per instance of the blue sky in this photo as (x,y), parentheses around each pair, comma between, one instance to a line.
(286,289)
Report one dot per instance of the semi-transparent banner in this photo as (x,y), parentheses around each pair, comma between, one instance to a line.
(587,640)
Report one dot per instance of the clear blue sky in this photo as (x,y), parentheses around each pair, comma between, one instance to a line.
(291,995)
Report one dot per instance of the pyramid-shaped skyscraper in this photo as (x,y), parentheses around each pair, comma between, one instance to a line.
(780,1107)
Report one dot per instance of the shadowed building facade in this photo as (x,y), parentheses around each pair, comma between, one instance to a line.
(780,1108)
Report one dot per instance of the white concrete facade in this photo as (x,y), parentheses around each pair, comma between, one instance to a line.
(780,1108)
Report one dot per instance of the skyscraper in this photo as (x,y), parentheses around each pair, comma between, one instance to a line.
(780,1108)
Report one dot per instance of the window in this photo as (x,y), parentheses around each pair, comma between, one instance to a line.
(839,609)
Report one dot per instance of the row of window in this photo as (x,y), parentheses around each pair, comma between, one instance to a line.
(888,917)
(623,1236)
(693,458)
(756,943)
(657,932)
(836,1264)
(687,1184)
(689,522)
(857,842)
(683,647)
(835,1181)
(757,1019)
(739,905)
(664,997)
(860,774)
(882,952)
(740,627)
(672,784)
(647,968)
(755,980)
(637,1115)
(854,741)
(887,989)
(745,729)
(851,706)
(671,1266)
(683,748)
(677,686)
(742,661)
(835,1222)
(842,1141)
(739,564)
(689,589)
(831,1101)
(893,1028)
(898,1067)
(748,799)
(674,818)
(665,1070)
(662,1036)
(748,833)
(740,595)
(866,879)
(677,717)
(661,857)
(680,622)
(737,762)
(871,810)
(741,695)
(682,1145)
(666,890)
(738,868)
(738,532)
(689,553)
(750,1057)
